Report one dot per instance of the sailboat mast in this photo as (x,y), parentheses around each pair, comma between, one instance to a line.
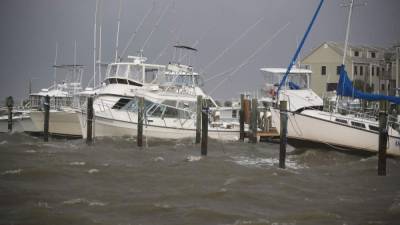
(346,41)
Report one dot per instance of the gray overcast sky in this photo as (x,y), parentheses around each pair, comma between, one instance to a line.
(31,28)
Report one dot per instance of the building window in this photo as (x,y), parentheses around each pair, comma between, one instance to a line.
(361,70)
(331,86)
(378,71)
(373,55)
(373,88)
(372,70)
(338,70)
(356,53)
(355,70)
(323,70)
(382,87)
(234,113)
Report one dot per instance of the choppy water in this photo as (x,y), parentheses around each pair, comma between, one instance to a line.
(115,182)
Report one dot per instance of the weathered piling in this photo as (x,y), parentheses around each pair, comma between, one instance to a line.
(89,121)
(383,137)
(283,132)
(140,122)
(46,120)
(198,118)
(10,105)
(254,119)
(241,118)
(204,129)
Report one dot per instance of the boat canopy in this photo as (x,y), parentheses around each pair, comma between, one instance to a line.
(297,78)
(345,88)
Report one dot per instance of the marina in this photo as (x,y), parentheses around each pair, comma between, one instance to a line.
(145,138)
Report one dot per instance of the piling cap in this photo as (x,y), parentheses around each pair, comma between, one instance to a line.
(9,101)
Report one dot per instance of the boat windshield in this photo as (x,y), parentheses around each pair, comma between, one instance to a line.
(294,80)
(166,109)
(133,72)
(184,80)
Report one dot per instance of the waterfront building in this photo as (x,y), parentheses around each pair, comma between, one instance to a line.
(373,69)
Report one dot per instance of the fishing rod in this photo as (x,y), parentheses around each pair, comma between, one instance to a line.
(118,25)
(175,38)
(247,60)
(233,44)
(156,26)
(133,35)
(100,35)
(94,43)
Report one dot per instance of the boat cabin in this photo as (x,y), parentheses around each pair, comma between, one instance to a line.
(134,72)
(298,79)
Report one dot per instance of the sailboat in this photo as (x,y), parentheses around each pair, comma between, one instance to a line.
(308,123)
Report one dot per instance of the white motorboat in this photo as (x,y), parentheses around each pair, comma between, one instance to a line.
(63,119)
(170,94)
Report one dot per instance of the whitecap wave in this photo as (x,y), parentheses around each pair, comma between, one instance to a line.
(30,151)
(158,159)
(83,201)
(9,172)
(262,162)
(77,163)
(93,171)
(192,158)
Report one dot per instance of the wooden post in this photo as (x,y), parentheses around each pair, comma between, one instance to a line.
(140,122)
(198,118)
(241,118)
(10,105)
(46,118)
(383,136)
(204,130)
(89,121)
(254,119)
(283,131)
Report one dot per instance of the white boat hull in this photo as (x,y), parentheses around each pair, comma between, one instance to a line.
(64,123)
(308,128)
(16,126)
(105,127)
(28,126)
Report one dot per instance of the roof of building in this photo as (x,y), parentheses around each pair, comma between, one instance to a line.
(283,70)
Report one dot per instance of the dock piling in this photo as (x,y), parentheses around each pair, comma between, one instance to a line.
(204,129)
(89,121)
(254,119)
(283,132)
(383,137)
(198,118)
(10,105)
(46,118)
(241,118)
(140,122)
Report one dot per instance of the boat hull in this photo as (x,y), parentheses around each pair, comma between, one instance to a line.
(16,127)
(61,123)
(308,128)
(106,127)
